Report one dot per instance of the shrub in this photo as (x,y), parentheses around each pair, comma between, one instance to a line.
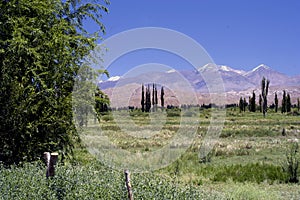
(291,164)
(107,118)
(174,112)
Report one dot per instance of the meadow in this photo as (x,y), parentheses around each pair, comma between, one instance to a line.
(248,161)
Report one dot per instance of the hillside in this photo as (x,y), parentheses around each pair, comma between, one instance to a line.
(191,83)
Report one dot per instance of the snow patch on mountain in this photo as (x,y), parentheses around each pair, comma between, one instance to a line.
(114,78)
(260,67)
(171,71)
(229,69)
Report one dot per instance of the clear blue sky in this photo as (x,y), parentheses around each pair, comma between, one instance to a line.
(237,33)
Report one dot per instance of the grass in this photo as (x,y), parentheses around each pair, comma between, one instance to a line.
(250,150)
(92,181)
(246,161)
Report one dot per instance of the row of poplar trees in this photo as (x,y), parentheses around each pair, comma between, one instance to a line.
(146,98)
(286,100)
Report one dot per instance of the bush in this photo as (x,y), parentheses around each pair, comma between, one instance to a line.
(107,118)
(292,163)
(173,112)
(138,112)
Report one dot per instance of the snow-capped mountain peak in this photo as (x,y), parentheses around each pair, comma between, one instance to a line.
(171,71)
(225,68)
(261,66)
(233,79)
(114,78)
(229,69)
(220,68)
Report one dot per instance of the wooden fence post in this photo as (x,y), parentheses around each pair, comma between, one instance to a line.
(51,159)
(128,184)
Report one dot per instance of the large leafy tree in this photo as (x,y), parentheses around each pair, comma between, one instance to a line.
(43,44)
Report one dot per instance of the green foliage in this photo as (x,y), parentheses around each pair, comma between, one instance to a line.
(102,102)
(189,113)
(245,166)
(206,158)
(42,47)
(107,117)
(241,104)
(264,93)
(276,102)
(245,104)
(173,112)
(138,112)
(260,103)
(162,94)
(148,99)
(284,102)
(291,164)
(250,192)
(143,99)
(90,182)
(288,103)
(252,103)
(252,172)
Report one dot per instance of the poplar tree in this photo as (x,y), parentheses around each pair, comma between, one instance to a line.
(143,99)
(253,104)
(250,104)
(283,103)
(245,104)
(260,103)
(153,97)
(264,93)
(162,100)
(155,92)
(288,103)
(148,99)
(276,102)
(241,105)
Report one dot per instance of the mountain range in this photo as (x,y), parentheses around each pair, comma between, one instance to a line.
(236,83)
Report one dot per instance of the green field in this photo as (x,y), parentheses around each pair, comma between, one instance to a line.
(246,162)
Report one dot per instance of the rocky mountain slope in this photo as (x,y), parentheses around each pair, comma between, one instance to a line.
(189,83)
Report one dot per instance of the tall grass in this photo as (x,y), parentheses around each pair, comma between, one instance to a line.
(90,182)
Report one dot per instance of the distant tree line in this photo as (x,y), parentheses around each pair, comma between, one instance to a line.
(262,106)
(149,101)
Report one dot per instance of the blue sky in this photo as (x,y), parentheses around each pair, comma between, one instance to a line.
(236,33)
